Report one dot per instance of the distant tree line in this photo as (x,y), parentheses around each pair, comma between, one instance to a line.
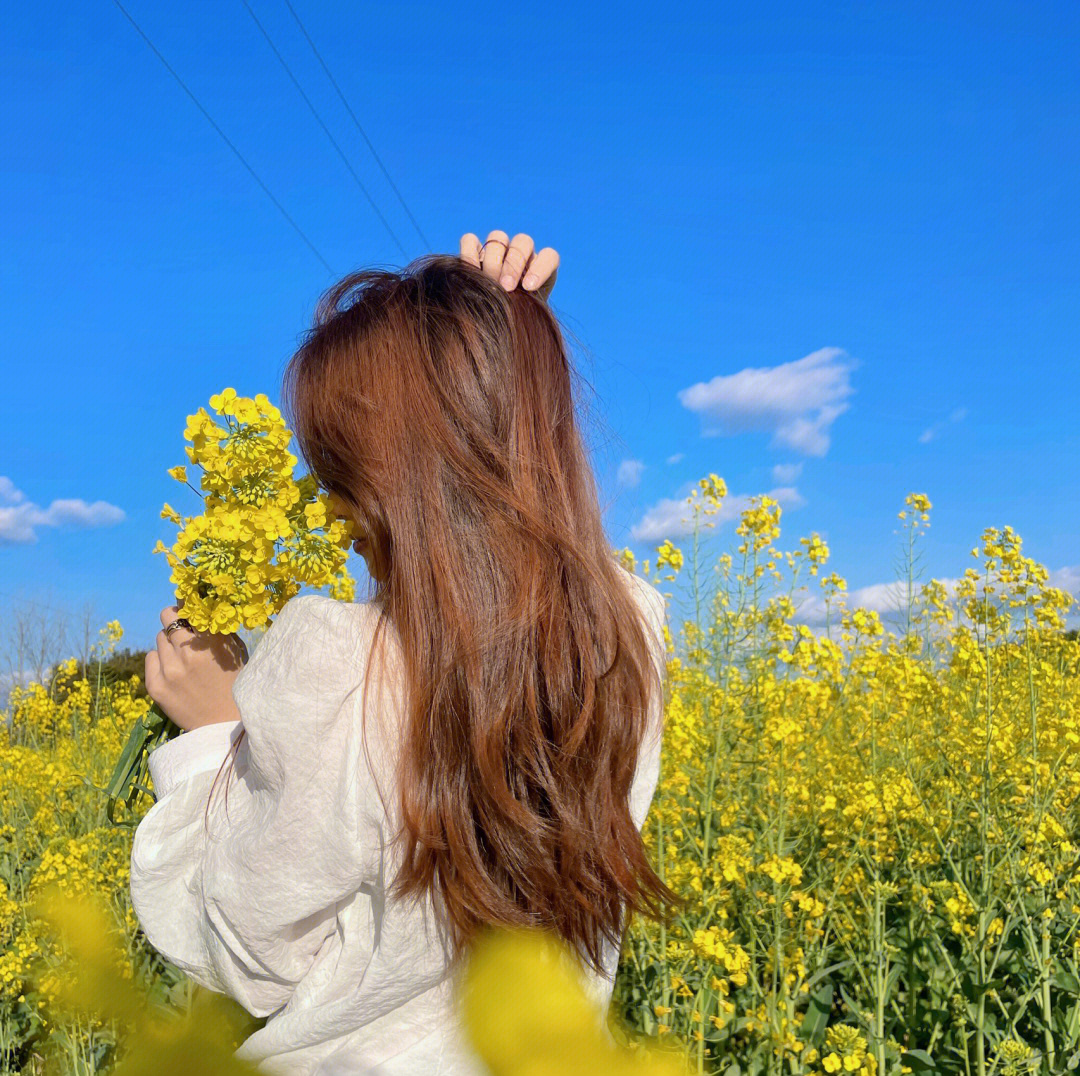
(120,665)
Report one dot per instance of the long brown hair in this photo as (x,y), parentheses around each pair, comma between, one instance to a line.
(439,408)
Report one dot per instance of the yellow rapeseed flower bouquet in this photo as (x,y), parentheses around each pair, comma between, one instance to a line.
(262,534)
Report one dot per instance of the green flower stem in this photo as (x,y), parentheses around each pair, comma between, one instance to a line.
(130,774)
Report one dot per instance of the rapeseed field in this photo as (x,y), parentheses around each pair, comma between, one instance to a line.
(873,827)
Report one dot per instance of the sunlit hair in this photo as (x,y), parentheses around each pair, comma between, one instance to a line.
(439,408)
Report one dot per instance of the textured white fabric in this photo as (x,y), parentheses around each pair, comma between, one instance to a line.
(278,899)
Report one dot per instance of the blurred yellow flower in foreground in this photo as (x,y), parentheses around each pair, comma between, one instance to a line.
(525,1006)
(87,982)
(526,1013)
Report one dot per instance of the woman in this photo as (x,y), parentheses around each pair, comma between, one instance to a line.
(503,770)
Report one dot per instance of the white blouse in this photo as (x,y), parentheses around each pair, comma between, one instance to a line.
(282,905)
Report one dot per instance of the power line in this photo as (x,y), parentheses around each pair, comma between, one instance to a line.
(239,155)
(333,83)
(326,129)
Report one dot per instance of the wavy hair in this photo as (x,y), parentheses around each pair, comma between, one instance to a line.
(439,408)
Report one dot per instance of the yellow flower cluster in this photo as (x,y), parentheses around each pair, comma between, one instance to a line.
(717,945)
(833,794)
(262,533)
(844,1051)
(526,1013)
(62,737)
(1015,1057)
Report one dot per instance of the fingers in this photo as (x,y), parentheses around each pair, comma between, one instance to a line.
(519,252)
(542,269)
(471,248)
(168,657)
(152,674)
(178,635)
(506,260)
(493,252)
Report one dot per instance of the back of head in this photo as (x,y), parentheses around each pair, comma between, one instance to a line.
(438,407)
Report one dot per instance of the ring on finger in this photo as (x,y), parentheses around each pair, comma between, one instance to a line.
(179,622)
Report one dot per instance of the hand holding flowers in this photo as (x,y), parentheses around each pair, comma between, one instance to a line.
(261,536)
(190,675)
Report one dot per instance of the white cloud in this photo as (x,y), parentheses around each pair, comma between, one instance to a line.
(786,472)
(675,459)
(1067,579)
(890,599)
(796,401)
(20,518)
(17,677)
(630,473)
(8,492)
(671,518)
(958,415)
(881,598)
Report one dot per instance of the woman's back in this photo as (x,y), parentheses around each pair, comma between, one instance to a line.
(283,904)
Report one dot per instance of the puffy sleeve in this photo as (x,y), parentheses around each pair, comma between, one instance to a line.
(241,897)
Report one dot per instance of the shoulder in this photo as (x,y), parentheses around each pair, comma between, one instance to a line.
(308,618)
(653,606)
(313,640)
(647,596)
(318,608)
(296,693)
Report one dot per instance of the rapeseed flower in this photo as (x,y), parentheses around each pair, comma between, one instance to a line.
(262,533)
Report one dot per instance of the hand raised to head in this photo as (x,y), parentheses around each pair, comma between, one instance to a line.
(511,262)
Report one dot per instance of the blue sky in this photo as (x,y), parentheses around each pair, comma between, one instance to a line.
(827,251)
